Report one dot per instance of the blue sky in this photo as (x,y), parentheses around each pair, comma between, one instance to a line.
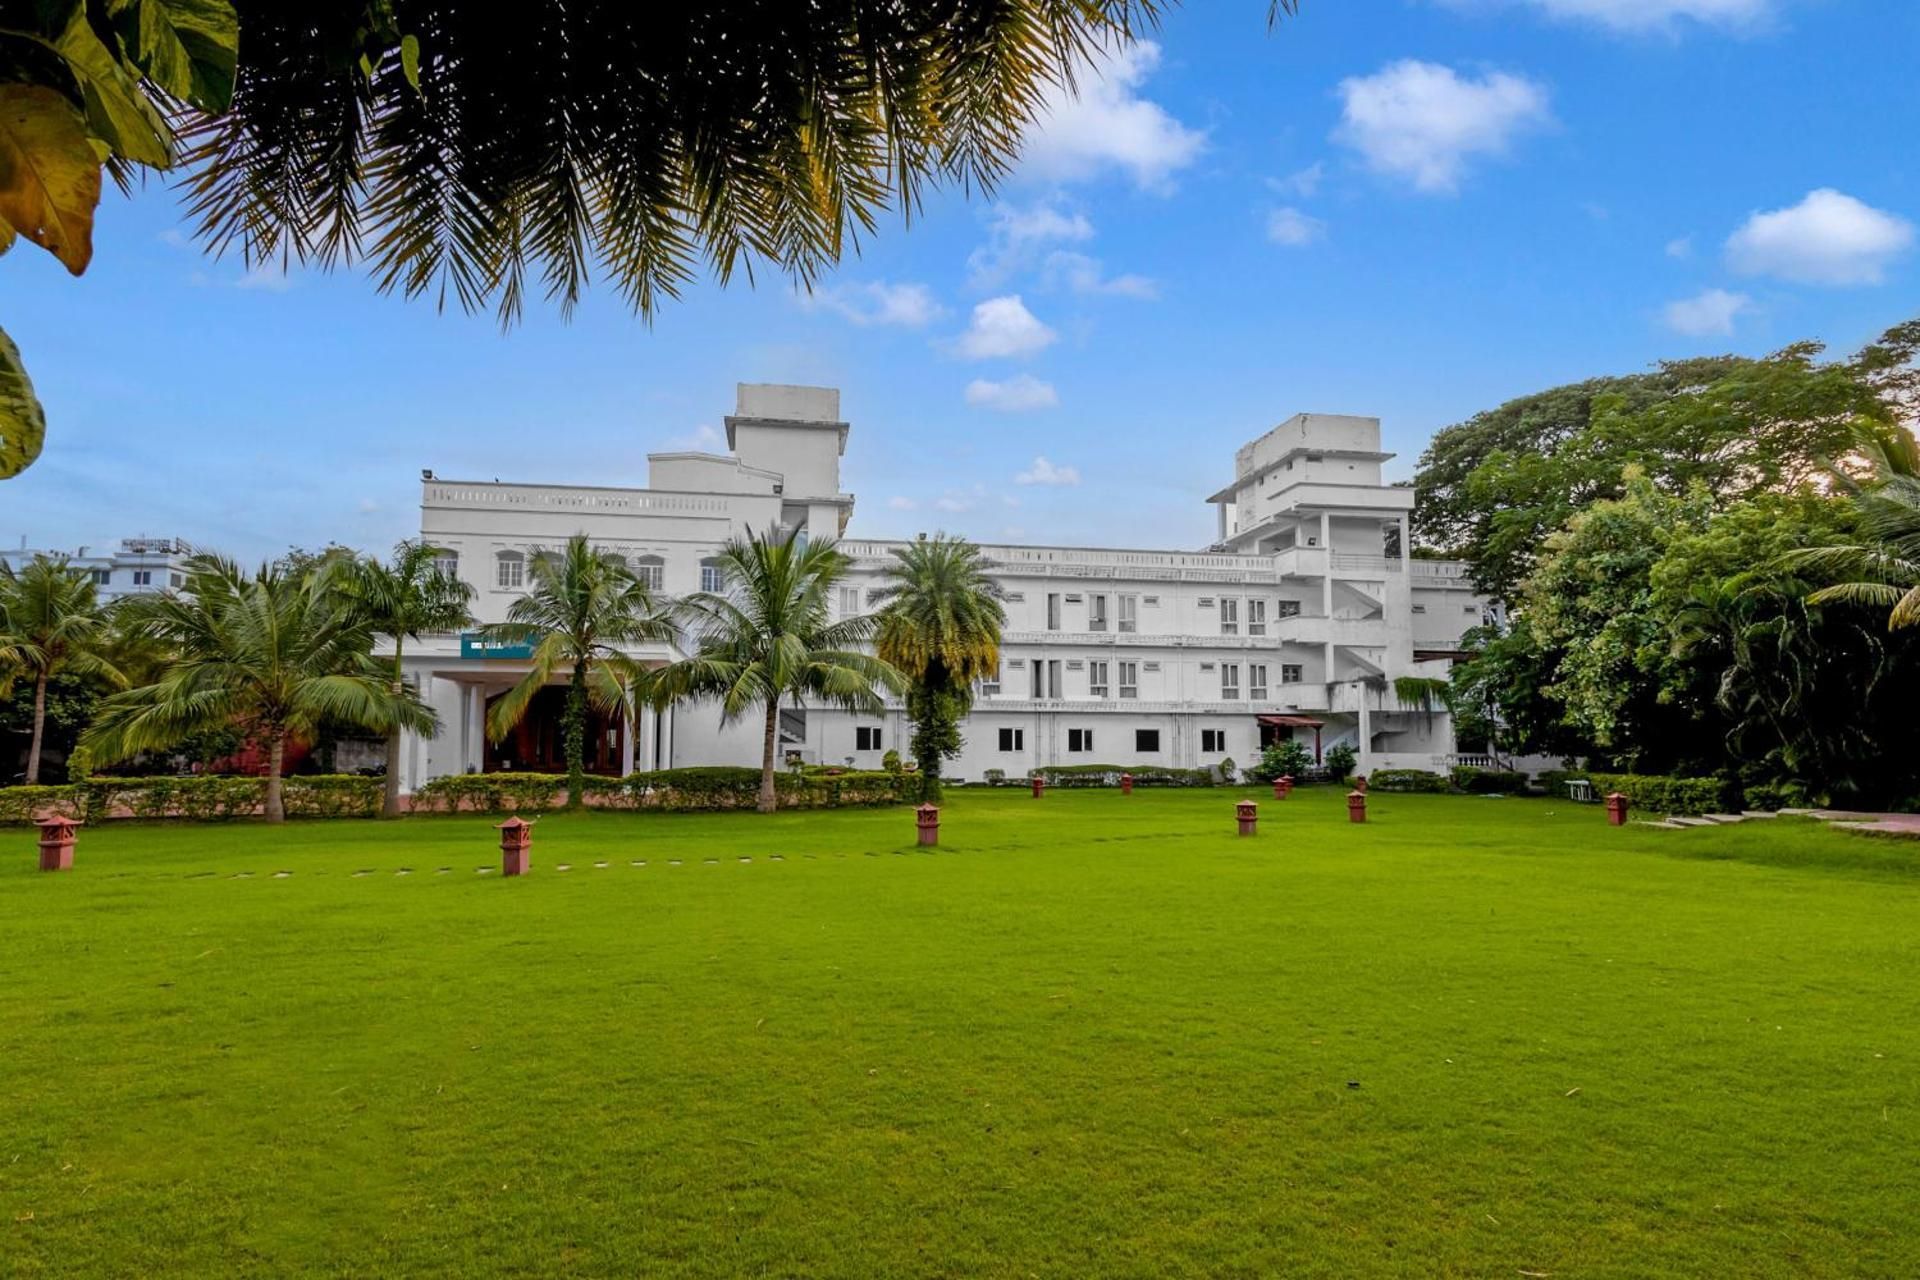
(1408,208)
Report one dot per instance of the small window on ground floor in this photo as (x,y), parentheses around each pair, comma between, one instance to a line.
(1079,740)
(1146,739)
(1213,740)
(866,737)
(1013,739)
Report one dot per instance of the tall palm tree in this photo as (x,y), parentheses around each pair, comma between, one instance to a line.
(582,611)
(403,598)
(272,654)
(1885,564)
(768,636)
(940,626)
(51,623)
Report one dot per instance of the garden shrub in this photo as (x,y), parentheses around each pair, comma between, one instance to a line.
(1339,760)
(1683,796)
(203,798)
(1554,781)
(1771,796)
(705,788)
(995,777)
(1407,780)
(21,805)
(1108,775)
(1487,782)
(1283,759)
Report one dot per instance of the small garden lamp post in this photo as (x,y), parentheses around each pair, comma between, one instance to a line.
(1360,783)
(1616,809)
(926,820)
(56,842)
(1039,786)
(1126,784)
(516,846)
(1247,814)
(1283,786)
(1356,806)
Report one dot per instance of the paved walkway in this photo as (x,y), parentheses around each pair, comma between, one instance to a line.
(1879,824)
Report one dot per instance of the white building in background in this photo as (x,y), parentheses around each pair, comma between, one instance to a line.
(1295,624)
(141,566)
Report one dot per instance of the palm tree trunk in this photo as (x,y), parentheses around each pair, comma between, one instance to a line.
(576,731)
(391,805)
(39,727)
(275,808)
(769,801)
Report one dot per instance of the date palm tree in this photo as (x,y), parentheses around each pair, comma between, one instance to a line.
(768,636)
(583,610)
(404,598)
(51,623)
(1883,566)
(940,626)
(271,654)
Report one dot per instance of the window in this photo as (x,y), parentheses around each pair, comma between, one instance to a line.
(1129,613)
(1291,673)
(1053,611)
(447,563)
(1470,609)
(1257,681)
(1080,740)
(711,577)
(1230,681)
(1419,608)
(1129,679)
(1229,616)
(651,571)
(1016,597)
(176,580)
(1213,740)
(793,724)
(1097,678)
(849,602)
(1146,739)
(1013,739)
(990,687)
(101,577)
(1256,617)
(866,737)
(1288,609)
(1096,613)
(1206,602)
(1046,679)
(143,577)
(509,570)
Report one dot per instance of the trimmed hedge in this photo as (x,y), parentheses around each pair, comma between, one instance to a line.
(1487,782)
(1683,796)
(708,788)
(202,799)
(1108,775)
(1407,780)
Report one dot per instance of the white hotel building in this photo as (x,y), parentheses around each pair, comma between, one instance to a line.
(1295,623)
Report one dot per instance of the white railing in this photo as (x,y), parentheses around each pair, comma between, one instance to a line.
(1443,572)
(1096,563)
(1364,564)
(566,498)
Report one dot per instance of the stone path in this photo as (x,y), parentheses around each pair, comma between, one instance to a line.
(1879,824)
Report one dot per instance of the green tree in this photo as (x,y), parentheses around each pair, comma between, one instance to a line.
(51,624)
(1881,566)
(582,612)
(940,627)
(768,636)
(269,654)
(403,598)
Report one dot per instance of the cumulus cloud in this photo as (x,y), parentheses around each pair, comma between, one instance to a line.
(1003,328)
(1654,15)
(704,437)
(1681,247)
(876,302)
(1710,313)
(898,503)
(1017,237)
(1104,124)
(1021,394)
(272,277)
(1065,269)
(1043,472)
(1828,238)
(1293,228)
(1422,122)
(1301,184)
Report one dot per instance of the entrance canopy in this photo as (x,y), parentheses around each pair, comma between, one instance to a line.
(1290,722)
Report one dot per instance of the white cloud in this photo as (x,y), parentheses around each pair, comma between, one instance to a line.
(1003,327)
(1680,247)
(1710,313)
(1021,394)
(1066,269)
(1422,122)
(1104,124)
(1654,15)
(1017,236)
(953,503)
(1301,183)
(270,276)
(701,439)
(898,503)
(1828,238)
(876,302)
(1047,473)
(1293,228)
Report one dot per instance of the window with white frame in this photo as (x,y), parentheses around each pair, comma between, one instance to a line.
(101,577)
(1257,681)
(1053,611)
(1129,679)
(1230,681)
(1213,740)
(1256,617)
(651,571)
(866,737)
(509,571)
(1292,673)
(143,577)
(1097,677)
(1288,609)
(1080,740)
(1229,616)
(990,685)
(447,562)
(1013,739)
(1129,613)
(712,577)
(849,602)
(1096,613)
(176,580)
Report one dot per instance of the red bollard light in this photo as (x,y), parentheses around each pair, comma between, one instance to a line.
(1283,786)
(1360,783)
(1126,784)
(926,820)
(516,846)
(1616,809)
(1247,813)
(1039,786)
(56,843)
(1356,806)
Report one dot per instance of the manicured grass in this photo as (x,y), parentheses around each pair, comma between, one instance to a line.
(1088,1036)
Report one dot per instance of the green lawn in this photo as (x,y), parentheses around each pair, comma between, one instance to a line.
(1088,1036)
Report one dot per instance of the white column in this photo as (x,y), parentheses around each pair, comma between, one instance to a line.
(476,756)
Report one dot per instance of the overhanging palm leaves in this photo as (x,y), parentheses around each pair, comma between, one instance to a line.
(769,636)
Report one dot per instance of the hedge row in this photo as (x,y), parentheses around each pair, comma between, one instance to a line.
(1683,796)
(696,789)
(1487,782)
(198,798)
(1108,775)
(1407,780)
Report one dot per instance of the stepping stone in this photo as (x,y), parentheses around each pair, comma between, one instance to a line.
(1760,813)
(404,871)
(601,865)
(776,858)
(442,871)
(1691,822)
(746,859)
(563,866)
(673,862)
(1798,813)
(241,875)
(281,875)
(639,862)
(1724,817)
(713,862)
(483,871)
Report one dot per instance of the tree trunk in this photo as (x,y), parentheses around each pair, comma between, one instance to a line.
(391,805)
(39,727)
(275,809)
(576,734)
(769,800)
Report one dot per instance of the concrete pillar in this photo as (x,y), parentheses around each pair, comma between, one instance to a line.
(476,746)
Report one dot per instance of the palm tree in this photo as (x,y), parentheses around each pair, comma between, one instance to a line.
(1885,564)
(404,598)
(941,628)
(583,610)
(768,637)
(51,623)
(272,654)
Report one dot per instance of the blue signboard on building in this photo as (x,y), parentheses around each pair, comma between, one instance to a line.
(475,645)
